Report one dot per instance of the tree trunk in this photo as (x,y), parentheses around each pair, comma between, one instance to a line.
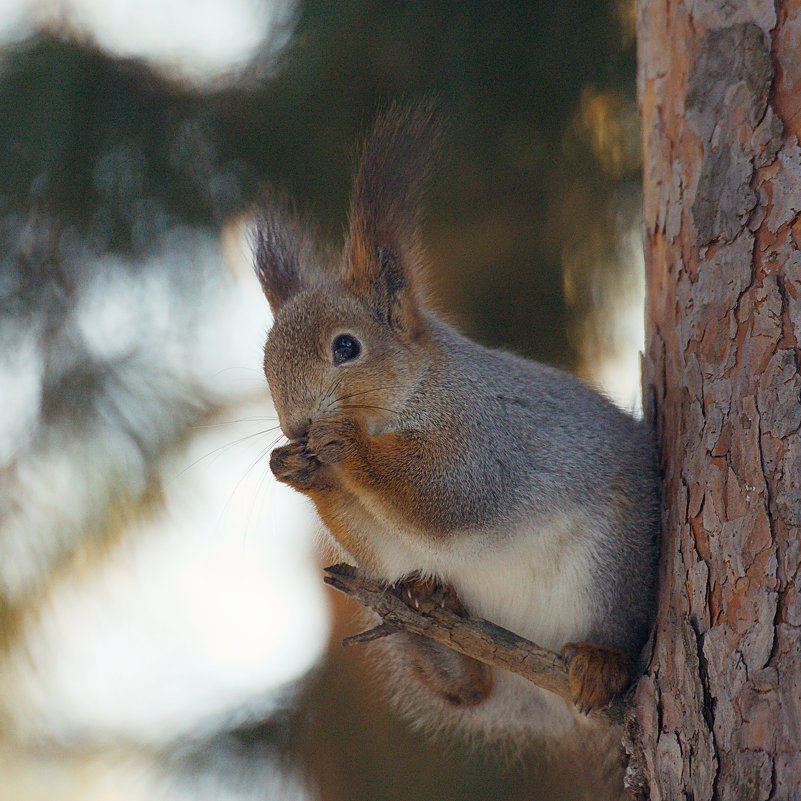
(719,710)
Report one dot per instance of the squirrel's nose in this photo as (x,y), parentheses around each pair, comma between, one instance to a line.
(297,429)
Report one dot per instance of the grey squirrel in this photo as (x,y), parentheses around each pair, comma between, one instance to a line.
(509,489)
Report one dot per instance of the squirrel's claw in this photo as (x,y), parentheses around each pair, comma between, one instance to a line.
(428,593)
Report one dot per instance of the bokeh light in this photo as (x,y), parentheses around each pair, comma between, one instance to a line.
(163,626)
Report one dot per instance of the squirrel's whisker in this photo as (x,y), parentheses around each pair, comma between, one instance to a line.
(227,445)
(255,419)
(334,384)
(350,408)
(364,392)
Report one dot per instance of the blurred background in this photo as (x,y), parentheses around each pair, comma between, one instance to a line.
(164,629)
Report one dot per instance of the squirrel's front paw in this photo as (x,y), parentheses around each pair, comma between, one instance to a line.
(293,464)
(596,674)
(334,439)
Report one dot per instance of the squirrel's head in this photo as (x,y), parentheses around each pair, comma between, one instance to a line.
(349,332)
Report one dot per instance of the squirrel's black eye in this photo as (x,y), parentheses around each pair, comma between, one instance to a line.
(345,348)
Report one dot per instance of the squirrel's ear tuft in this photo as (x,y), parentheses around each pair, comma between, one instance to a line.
(279,243)
(384,252)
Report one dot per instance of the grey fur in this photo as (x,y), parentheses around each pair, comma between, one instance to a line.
(536,440)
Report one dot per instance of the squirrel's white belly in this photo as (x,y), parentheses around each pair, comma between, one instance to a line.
(531,579)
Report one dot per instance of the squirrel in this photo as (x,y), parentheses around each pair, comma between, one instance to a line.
(504,487)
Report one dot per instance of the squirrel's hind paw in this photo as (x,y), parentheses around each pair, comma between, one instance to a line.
(596,674)
(460,680)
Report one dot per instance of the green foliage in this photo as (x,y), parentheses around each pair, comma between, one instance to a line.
(117,154)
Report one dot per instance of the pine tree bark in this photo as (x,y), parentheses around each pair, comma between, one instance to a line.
(719,710)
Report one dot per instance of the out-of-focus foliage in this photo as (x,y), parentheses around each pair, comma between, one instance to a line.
(538,96)
(116,178)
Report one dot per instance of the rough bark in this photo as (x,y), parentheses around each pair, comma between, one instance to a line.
(719,710)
